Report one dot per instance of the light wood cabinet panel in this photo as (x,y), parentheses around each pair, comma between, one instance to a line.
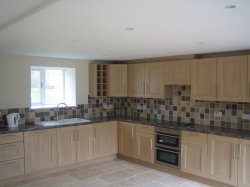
(11,151)
(84,143)
(203,79)
(136,80)
(194,153)
(244,163)
(145,147)
(11,138)
(66,145)
(222,159)
(154,80)
(178,72)
(145,128)
(117,80)
(248,79)
(232,78)
(93,80)
(127,139)
(40,150)
(11,168)
(105,139)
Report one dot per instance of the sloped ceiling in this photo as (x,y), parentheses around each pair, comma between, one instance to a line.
(122,29)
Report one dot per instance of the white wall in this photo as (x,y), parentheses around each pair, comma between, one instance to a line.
(15,78)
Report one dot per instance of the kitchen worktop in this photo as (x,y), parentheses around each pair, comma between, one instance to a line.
(229,132)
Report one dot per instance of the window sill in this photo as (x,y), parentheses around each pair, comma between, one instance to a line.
(50,106)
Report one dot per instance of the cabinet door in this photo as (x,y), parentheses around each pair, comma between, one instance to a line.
(66,145)
(244,164)
(136,80)
(222,159)
(105,139)
(92,80)
(145,147)
(203,79)
(117,80)
(194,158)
(40,150)
(232,78)
(11,168)
(154,80)
(126,139)
(11,151)
(248,79)
(178,72)
(84,142)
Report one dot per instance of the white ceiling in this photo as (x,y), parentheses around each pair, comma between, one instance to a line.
(97,29)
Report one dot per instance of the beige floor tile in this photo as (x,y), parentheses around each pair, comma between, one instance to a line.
(64,172)
(32,180)
(81,175)
(122,183)
(92,171)
(91,182)
(154,184)
(194,184)
(7,185)
(137,169)
(114,166)
(172,180)
(115,176)
(145,178)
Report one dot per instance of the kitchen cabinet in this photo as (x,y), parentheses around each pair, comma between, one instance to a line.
(74,144)
(117,80)
(232,78)
(127,139)
(145,143)
(105,139)
(203,79)
(244,163)
(194,153)
(11,155)
(248,79)
(178,72)
(146,80)
(136,80)
(66,145)
(40,150)
(222,159)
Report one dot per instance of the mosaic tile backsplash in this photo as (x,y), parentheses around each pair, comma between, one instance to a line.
(178,108)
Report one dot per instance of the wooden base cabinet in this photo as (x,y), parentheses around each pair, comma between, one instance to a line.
(40,150)
(223,159)
(105,139)
(194,153)
(244,163)
(127,139)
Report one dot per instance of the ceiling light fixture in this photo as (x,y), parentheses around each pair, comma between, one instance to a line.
(230,6)
(130,28)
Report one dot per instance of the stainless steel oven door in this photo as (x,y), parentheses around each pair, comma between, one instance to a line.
(167,157)
(167,141)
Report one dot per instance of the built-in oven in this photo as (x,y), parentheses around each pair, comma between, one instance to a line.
(167,146)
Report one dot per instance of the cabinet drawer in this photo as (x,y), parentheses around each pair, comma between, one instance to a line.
(144,128)
(11,137)
(11,168)
(11,151)
(194,136)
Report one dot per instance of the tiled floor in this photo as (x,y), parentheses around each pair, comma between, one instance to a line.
(115,173)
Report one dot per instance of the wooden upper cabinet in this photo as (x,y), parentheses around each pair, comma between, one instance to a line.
(223,159)
(244,163)
(40,150)
(248,79)
(136,80)
(117,80)
(178,72)
(66,146)
(154,80)
(203,79)
(232,78)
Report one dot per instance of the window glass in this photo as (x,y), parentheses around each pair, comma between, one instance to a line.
(35,86)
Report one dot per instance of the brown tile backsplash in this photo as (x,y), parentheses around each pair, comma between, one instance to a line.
(179,108)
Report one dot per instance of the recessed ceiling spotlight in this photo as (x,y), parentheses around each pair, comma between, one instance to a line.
(130,28)
(230,6)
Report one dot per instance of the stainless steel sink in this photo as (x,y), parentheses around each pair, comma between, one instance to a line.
(63,122)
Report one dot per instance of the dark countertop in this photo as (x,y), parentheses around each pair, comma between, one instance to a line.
(236,133)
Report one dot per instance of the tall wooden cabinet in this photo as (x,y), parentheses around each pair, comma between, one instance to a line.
(244,163)
(232,78)
(117,80)
(203,79)
(178,72)
(40,150)
(194,153)
(222,159)
(127,139)
(105,139)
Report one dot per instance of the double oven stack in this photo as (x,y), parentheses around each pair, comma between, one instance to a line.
(168,147)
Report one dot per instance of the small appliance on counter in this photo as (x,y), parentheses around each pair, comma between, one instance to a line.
(12,120)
